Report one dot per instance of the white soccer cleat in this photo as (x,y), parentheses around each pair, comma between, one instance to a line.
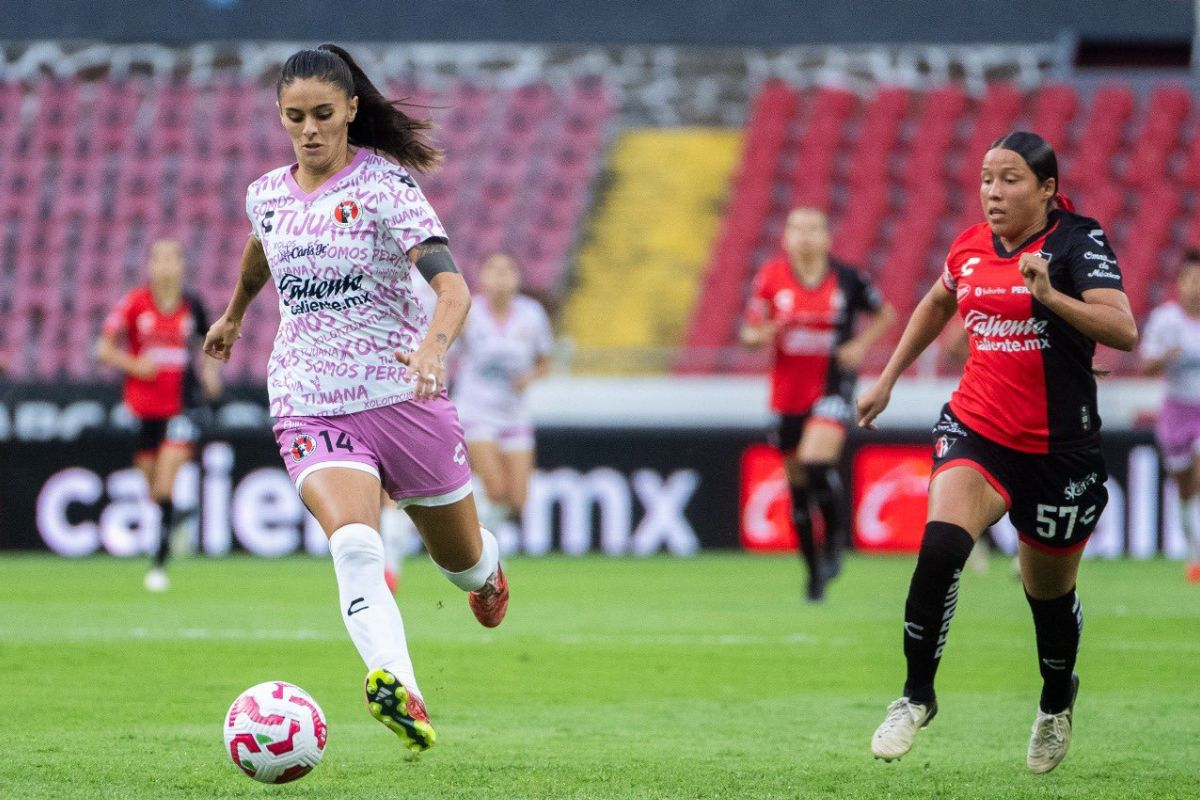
(157,581)
(1051,737)
(894,736)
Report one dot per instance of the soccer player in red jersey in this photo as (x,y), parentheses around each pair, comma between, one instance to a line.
(1037,287)
(806,304)
(161,326)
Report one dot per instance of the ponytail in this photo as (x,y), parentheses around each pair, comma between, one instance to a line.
(379,124)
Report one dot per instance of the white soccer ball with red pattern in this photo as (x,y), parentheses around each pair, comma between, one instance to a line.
(275,732)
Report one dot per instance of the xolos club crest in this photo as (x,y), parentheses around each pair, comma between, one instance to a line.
(302,446)
(346,212)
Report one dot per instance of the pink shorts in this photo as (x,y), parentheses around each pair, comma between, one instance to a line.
(416,449)
(1178,432)
(509,438)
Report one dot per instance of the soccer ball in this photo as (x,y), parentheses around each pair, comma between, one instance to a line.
(275,732)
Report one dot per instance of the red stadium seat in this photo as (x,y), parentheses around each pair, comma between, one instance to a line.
(1054,109)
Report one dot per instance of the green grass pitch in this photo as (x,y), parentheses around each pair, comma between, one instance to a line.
(657,678)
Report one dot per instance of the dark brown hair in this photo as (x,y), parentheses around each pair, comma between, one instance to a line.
(379,123)
(1039,155)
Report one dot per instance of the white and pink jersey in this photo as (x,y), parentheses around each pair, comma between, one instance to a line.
(492,352)
(338,256)
(1170,327)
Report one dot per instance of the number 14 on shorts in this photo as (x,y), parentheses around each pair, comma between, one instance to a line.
(342,443)
(1049,517)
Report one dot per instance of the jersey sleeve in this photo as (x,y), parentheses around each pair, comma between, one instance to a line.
(1092,263)
(758,306)
(866,295)
(199,316)
(119,319)
(949,278)
(1157,338)
(953,268)
(255,222)
(405,213)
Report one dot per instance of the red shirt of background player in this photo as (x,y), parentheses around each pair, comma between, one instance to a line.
(162,338)
(812,322)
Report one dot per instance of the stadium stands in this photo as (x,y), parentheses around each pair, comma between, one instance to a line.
(91,171)
(897,170)
(645,245)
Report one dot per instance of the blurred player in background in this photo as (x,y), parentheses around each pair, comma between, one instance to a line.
(806,304)
(1171,347)
(339,231)
(1037,287)
(162,328)
(504,348)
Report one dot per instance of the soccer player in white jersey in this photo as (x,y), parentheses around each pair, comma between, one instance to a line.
(357,377)
(1171,347)
(504,348)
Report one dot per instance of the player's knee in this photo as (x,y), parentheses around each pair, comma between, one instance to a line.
(945,545)
(823,481)
(496,488)
(796,475)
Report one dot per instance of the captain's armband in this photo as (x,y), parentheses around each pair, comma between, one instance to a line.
(432,257)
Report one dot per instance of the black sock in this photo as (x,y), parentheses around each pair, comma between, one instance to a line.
(1058,624)
(167,508)
(932,598)
(828,493)
(802,520)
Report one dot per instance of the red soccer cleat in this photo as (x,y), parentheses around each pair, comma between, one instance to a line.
(491,601)
(389,578)
(1193,572)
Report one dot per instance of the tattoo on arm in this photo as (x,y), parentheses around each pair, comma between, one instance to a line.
(254,277)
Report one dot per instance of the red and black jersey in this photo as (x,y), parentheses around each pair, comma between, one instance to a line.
(1028,383)
(813,322)
(166,339)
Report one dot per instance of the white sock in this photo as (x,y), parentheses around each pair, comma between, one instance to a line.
(394,532)
(473,578)
(1188,513)
(368,608)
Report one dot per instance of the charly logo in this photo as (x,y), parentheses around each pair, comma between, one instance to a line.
(969,267)
(346,212)
(460,454)
(1075,489)
(303,446)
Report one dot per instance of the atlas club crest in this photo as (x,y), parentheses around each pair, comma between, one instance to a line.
(942,446)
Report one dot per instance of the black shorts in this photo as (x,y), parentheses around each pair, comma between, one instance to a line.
(833,409)
(183,428)
(1054,499)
